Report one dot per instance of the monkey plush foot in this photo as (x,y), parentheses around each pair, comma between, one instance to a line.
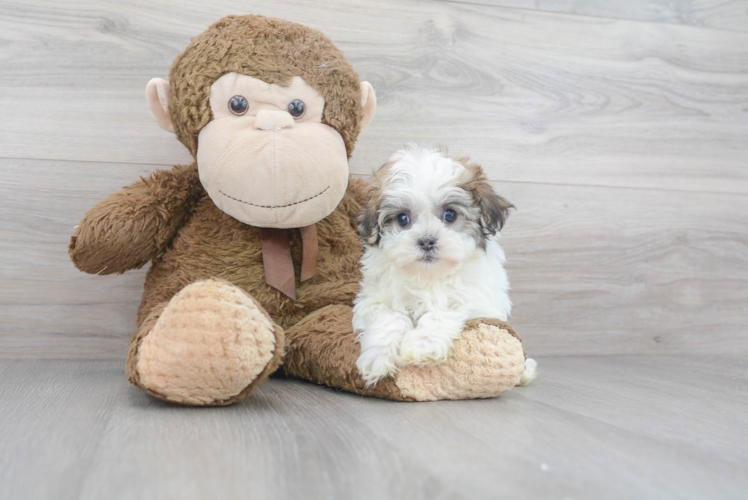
(486,361)
(211,344)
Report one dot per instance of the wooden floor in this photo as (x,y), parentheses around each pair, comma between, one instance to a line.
(589,428)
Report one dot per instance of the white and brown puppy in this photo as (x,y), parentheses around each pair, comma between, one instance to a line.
(431,261)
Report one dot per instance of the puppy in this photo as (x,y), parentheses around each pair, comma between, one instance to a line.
(431,261)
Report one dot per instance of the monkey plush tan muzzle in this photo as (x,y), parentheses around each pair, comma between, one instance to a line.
(266,158)
(272,178)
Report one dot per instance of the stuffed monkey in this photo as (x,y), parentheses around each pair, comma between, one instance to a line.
(253,248)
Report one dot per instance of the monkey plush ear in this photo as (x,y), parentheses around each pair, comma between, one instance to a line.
(157,94)
(368,104)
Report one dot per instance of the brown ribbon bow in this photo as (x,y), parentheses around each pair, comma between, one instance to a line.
(276,258)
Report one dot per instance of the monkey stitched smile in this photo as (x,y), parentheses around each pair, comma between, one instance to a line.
(276,206)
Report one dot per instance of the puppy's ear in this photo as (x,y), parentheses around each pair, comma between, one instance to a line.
(368,223)
(368,217)
(494,209)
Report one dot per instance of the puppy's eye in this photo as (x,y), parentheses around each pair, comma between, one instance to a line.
(296,108)
(450,215)
(238,105)
(403,220)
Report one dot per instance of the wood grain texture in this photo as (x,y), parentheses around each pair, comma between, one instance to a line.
(47,306)
(534,96)
(594,270)
(53,416)
(606,270)
(716,14)
(589,428)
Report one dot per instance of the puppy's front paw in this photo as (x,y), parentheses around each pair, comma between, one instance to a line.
(376,363)
(422,348)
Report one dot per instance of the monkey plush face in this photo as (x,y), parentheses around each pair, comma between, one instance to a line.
(270,109)
(266,158)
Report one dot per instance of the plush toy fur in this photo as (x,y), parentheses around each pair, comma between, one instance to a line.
(209,327)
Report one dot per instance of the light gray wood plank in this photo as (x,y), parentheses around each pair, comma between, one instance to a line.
(533,96)
(587,428)
(52,418)
(280,444)
(583,442)
(716,14)
(644,271)
(675,390)
(47,306)
(593,270)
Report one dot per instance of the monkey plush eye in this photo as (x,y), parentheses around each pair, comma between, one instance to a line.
(238,105)
(450,215)
(296,108)
(403,219)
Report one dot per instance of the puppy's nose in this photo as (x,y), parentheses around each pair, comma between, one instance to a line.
(269,119)
(427,243)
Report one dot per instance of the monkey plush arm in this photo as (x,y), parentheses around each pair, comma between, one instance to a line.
(133,226)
